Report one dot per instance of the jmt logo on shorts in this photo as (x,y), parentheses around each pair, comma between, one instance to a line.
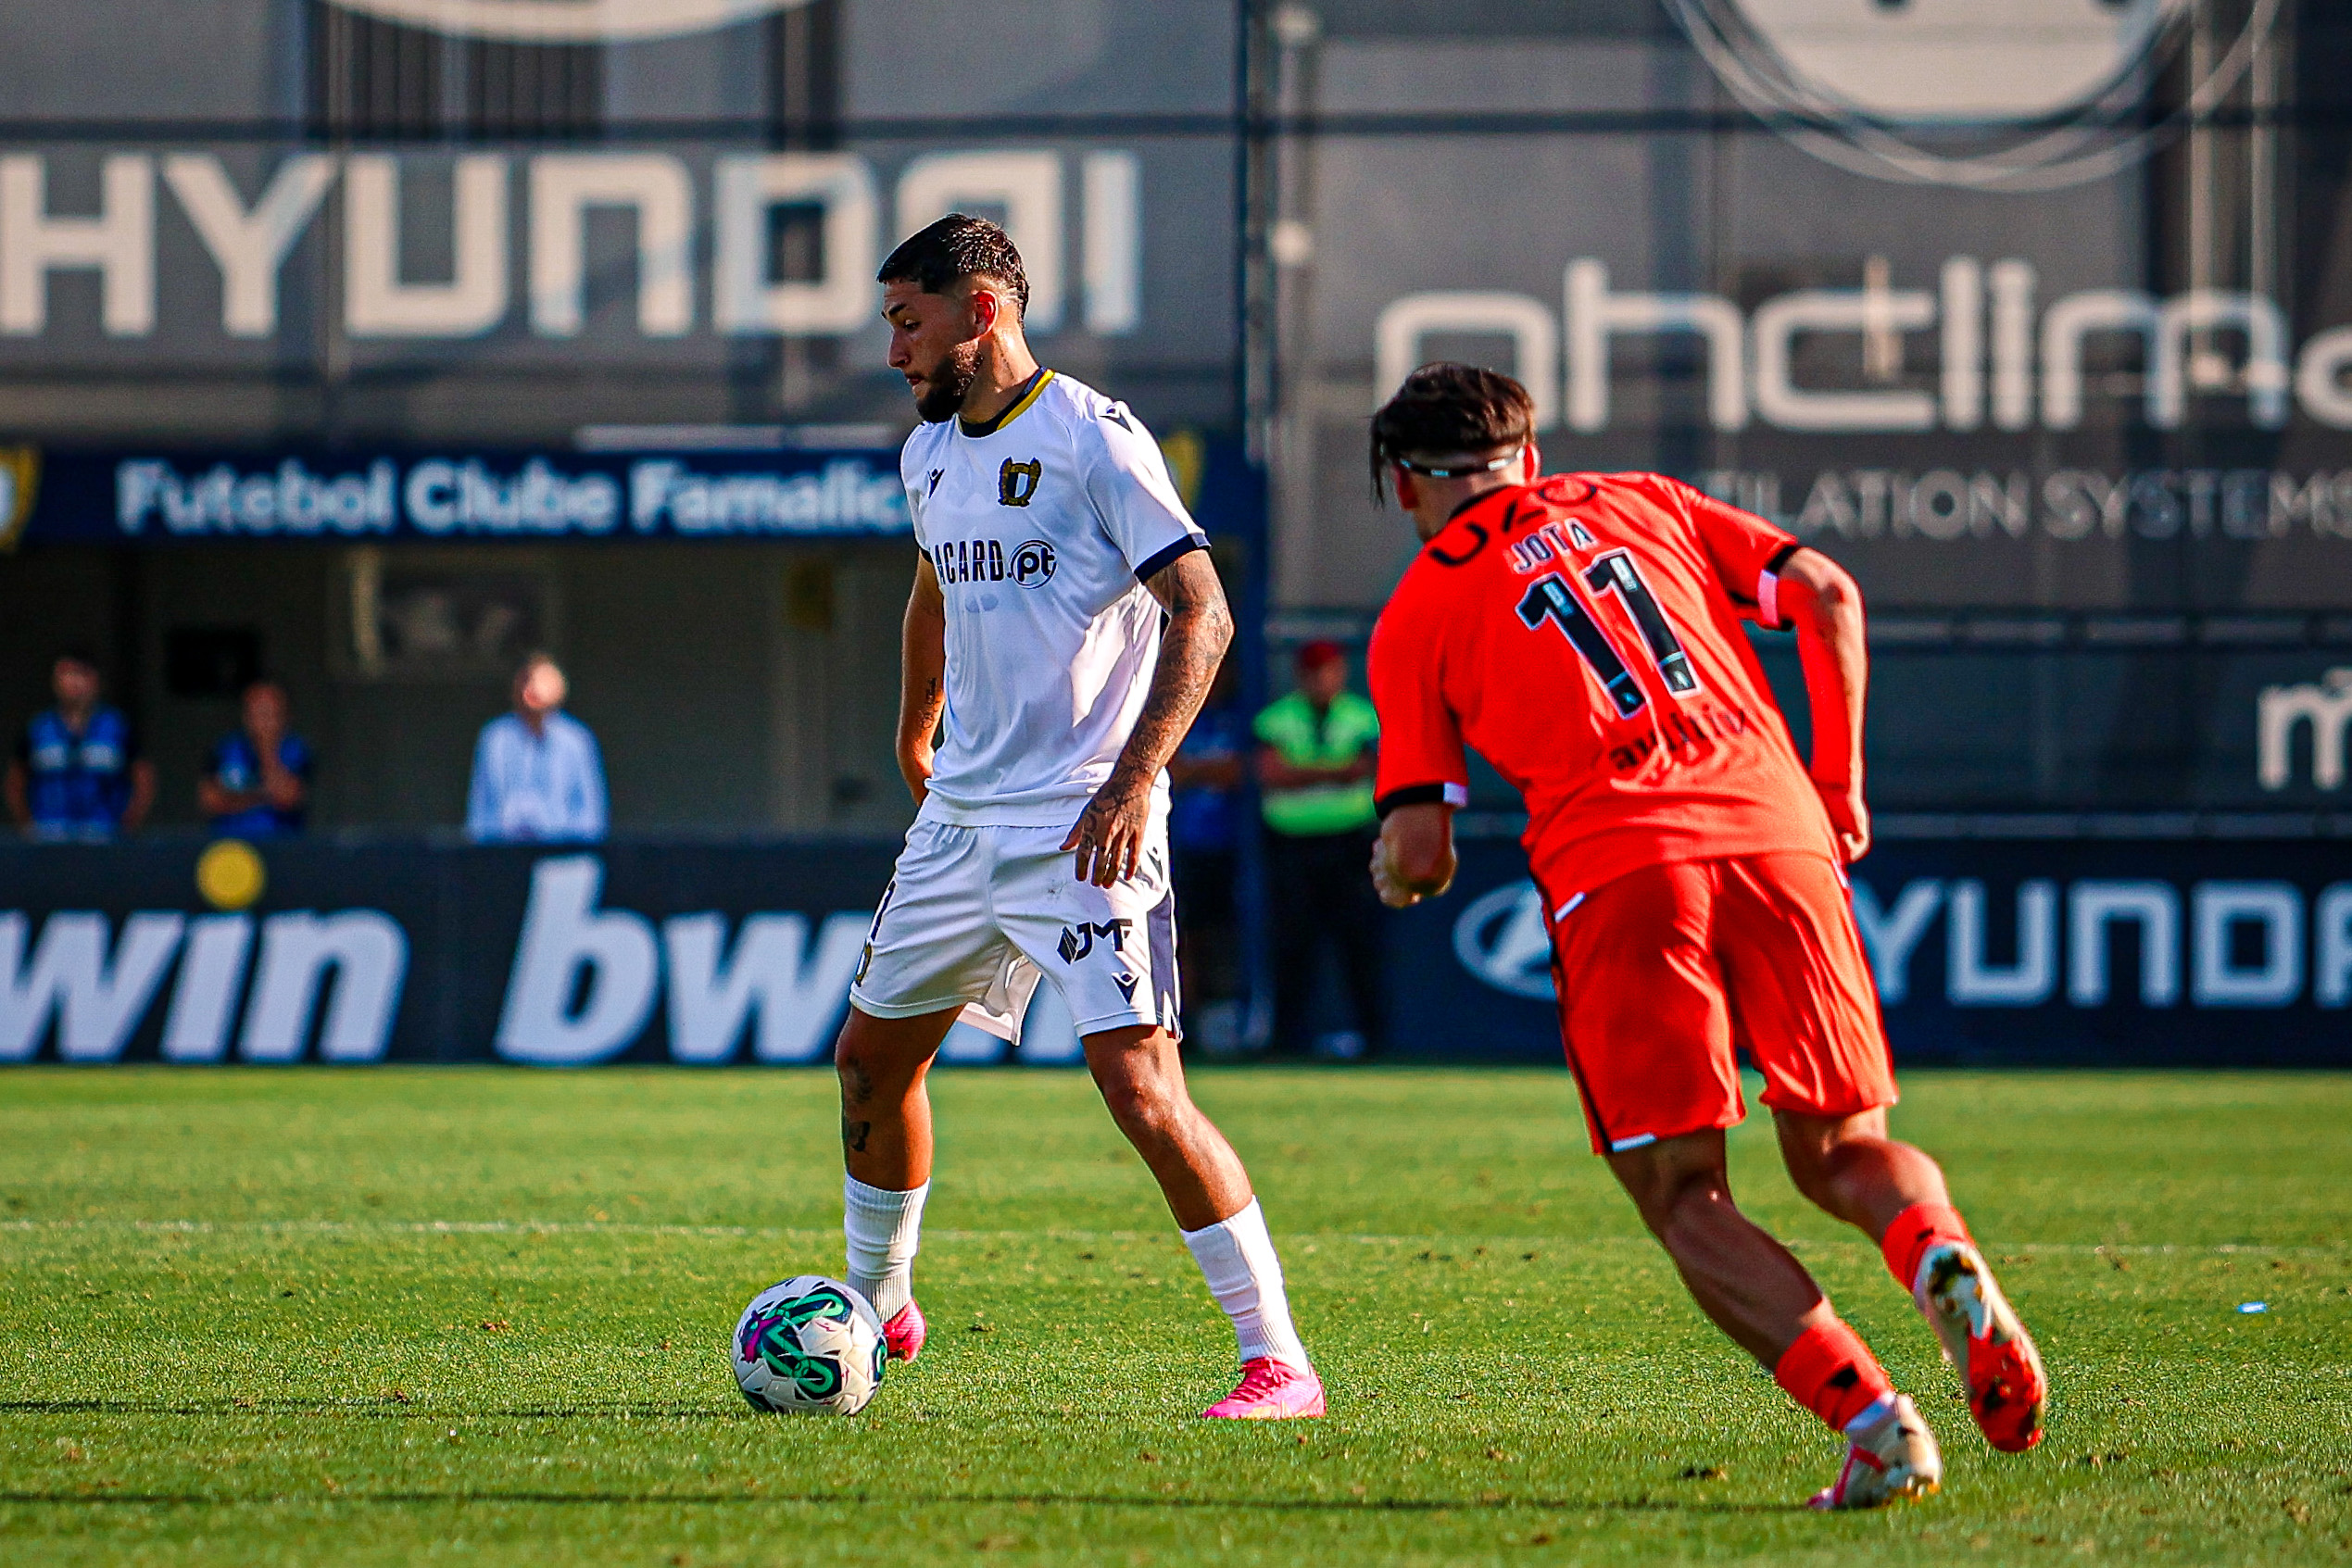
(1077,940)
(1018,482)
(1033,564)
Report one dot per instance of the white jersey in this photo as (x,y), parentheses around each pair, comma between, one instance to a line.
(1043,524)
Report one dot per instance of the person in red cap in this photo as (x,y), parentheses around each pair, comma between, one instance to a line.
(1317,753)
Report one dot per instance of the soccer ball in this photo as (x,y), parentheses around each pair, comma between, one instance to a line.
(810,1344)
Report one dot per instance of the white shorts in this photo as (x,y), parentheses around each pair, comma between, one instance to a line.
(974,915)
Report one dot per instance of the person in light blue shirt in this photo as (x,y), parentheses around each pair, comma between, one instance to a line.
(537,775)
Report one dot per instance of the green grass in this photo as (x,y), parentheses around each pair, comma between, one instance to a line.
(478,1316)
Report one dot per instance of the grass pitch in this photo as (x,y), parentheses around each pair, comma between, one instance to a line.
(478,1316)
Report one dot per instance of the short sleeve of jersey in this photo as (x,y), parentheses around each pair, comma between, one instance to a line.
(917,480)
(1747,552)
(1128,482)
(1421,761)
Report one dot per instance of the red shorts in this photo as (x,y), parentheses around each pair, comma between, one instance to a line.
(1666,973)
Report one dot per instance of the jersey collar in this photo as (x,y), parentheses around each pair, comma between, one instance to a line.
(1010,411)
(1472,505)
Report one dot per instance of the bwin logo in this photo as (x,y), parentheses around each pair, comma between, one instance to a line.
(1501,939)
(2326,707)
(1018,482)
(1077,940)
(2055,91)
(1033,564)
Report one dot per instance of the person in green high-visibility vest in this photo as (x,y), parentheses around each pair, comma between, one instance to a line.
(1315,760)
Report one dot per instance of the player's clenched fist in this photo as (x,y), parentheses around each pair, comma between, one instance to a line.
(1392,888)
(1848,817)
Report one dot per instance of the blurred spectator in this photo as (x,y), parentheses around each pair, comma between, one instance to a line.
(1204,839)
(77,773)
(537,775)
(1314,769)
(256,781)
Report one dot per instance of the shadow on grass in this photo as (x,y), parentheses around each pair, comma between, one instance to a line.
(1640,1504)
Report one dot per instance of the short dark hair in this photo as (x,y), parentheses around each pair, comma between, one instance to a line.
(77,653)
(956,247)
(1447,407)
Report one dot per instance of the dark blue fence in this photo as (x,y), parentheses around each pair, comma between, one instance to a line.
(2000,951)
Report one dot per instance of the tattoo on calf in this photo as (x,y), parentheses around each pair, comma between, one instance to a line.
(857,1083)
(853,1134)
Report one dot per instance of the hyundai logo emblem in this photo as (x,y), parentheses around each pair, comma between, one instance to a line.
(1501,938)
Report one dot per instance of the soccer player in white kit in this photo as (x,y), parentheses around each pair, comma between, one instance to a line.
(1065,627)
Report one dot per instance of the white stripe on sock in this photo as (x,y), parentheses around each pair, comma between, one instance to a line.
(884,1230)
(1237,1258)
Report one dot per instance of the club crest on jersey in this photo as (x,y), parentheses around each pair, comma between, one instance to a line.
(1018,482)
(1033,564)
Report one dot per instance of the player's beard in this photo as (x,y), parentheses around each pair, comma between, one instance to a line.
(944,389)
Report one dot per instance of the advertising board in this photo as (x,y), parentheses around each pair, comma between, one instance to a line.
(1987,952)
(2028,951)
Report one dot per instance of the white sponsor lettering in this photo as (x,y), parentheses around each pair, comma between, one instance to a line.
(205,997)
(2326,707)
(224,499)
(797,994)
(1948,506)
(1751,359)
(657,190)
(118,243)
(2332,963)
(376,302)
(2091,908)
(2245,943)
(1970,980)
(368,954)
(565,937)
(1889,935)
(248,245)
(847,495)
(97,1001)
(2221,910)
(451,497)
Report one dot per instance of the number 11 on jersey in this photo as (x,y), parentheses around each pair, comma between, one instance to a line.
(1549,598)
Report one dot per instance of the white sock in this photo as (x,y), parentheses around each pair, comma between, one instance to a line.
(884,1229)
(1237,1256)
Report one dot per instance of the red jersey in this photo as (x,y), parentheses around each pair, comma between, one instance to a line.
(1582,632)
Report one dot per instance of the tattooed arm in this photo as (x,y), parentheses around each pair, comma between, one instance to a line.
(1109,834)
(923,651)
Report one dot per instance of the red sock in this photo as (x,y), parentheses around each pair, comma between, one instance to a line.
(1915,1230)
(1832,1374)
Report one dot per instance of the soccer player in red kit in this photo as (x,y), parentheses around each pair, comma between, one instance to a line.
(1582,632)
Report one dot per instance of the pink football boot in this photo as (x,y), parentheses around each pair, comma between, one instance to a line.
(905,1333)
(1270,1390)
